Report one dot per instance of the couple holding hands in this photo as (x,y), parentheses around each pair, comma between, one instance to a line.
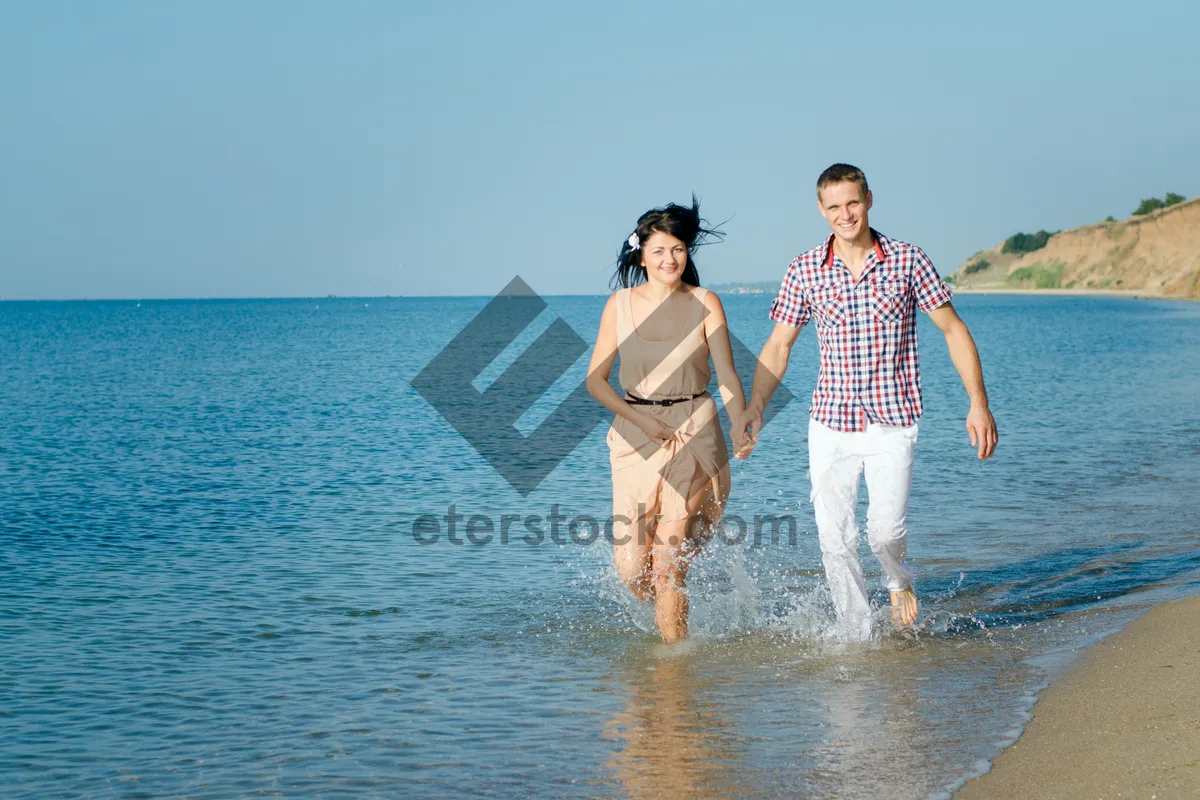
(670,465)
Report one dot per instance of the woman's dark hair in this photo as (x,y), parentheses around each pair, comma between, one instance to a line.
(684,223)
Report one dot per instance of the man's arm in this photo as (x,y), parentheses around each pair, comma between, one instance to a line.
(768,374)
(791,313)
(980,424)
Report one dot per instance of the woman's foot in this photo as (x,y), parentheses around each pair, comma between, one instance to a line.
(904,607)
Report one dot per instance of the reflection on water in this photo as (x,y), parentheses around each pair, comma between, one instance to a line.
(769,714)
(868,721)
(667,741)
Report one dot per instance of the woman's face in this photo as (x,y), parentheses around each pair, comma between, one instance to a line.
(664,258)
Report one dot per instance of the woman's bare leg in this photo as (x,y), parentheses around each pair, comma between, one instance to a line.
(670,557)
(632,545)
(712,507)
(676,542)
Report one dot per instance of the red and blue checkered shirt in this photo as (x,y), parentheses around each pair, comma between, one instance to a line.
(866,330)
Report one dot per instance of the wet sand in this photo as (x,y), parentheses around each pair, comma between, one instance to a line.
(1124,722)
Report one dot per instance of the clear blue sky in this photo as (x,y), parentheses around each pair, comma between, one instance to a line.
(269,148)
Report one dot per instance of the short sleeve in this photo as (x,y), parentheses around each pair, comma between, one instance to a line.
(930,290)
(789,306)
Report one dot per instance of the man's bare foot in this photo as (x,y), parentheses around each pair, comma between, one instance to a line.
(904,607)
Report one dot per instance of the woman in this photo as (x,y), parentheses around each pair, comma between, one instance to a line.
(670,467)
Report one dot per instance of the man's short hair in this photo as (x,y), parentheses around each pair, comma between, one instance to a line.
(841,173)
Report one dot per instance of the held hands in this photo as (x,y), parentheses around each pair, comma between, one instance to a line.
(982,428)
(745,428)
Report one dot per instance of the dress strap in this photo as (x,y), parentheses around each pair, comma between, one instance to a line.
(624,315)
(701,295)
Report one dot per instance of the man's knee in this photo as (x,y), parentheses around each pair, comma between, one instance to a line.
(837,534)
(835,547)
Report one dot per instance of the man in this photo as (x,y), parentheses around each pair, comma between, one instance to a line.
(862,290)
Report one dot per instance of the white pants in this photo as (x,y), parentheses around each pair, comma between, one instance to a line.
(837,462)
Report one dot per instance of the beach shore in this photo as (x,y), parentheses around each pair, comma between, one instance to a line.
(1124,722)
(1077,293)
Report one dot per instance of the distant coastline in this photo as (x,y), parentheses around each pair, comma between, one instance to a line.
(746,287)
(1130,293)
(1153,253)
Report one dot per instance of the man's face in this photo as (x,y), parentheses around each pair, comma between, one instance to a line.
(845,209)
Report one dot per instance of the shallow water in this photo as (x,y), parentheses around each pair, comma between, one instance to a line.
(212,587)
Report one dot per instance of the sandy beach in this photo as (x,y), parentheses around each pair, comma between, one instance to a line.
(1124,722)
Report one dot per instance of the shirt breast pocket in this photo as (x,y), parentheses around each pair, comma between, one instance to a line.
(826,303)
(889,298)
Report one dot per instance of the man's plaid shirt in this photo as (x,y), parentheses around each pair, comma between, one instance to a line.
(866,330)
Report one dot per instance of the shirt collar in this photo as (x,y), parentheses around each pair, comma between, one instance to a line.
(882,248)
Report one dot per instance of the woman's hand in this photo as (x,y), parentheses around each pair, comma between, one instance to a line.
(656,430)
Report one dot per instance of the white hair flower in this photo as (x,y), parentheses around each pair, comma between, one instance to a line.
(634,241)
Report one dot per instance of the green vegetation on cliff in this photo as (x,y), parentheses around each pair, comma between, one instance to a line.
(1154,204)
(1026,242)
(1038,276)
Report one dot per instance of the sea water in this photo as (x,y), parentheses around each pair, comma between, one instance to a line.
(212,585)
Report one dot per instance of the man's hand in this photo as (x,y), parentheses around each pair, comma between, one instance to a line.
(980,424)
(743,440)
(982,428)
(754,422)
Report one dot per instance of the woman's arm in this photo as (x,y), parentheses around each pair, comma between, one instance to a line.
(604,354)
(716,331)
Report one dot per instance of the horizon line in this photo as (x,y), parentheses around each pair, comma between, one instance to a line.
(147,298)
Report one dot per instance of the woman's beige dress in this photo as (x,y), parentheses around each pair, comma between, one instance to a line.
(649,480)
